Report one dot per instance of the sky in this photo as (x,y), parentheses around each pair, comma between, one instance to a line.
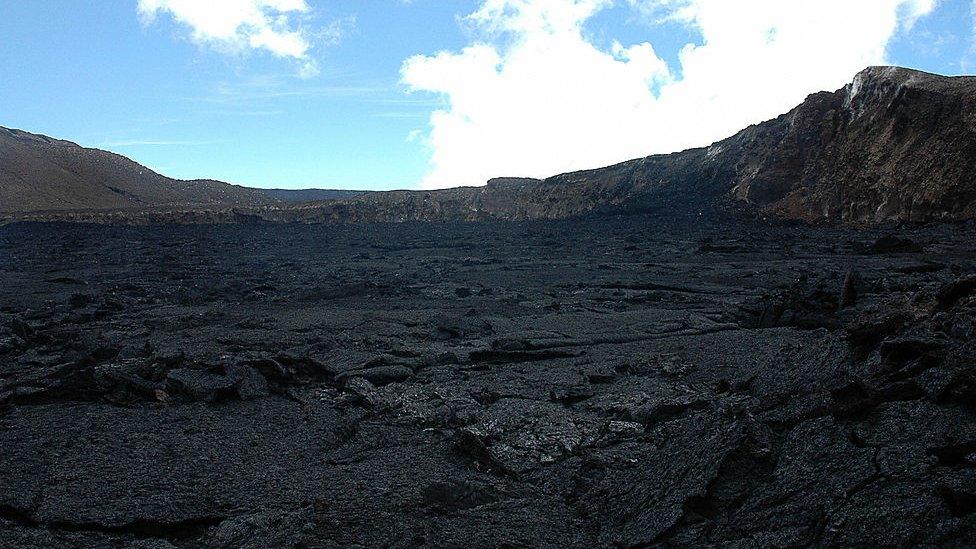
(383,94)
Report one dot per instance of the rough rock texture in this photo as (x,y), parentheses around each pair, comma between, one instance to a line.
(619,382)
(309,195)
(38,173)
(895,144)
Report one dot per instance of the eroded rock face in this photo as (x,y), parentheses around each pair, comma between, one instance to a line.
(620,382)
(895,144)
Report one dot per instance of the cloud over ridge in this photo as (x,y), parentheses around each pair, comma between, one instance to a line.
(533,95)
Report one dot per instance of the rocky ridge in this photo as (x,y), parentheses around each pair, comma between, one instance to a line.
(894,145)
(40,174)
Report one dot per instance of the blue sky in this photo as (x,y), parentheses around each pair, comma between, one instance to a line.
(520,87)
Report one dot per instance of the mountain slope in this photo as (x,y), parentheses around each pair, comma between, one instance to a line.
(38,173)
(895,144)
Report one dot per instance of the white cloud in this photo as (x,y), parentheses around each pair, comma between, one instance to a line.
(239,25)
(534,96)
(916,9)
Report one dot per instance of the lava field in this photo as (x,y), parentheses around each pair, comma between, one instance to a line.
(591,383)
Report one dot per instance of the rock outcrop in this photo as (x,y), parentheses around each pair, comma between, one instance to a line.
(895,144)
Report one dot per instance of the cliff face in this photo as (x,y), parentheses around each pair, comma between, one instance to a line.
(38,173)
(895,144)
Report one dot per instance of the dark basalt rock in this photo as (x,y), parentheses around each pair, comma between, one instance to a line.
(276,386)
(273,529)
(199,385)
(890,244)
(250,384)
(379,375)
(462,326)
(873,325)
(849,291)
(121,383)
(809,303)
(961,389)
(957,290)
(79,300)
(452,497)
(237,381)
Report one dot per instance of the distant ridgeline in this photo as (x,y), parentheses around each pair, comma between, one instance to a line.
(38,173)
(894,145)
